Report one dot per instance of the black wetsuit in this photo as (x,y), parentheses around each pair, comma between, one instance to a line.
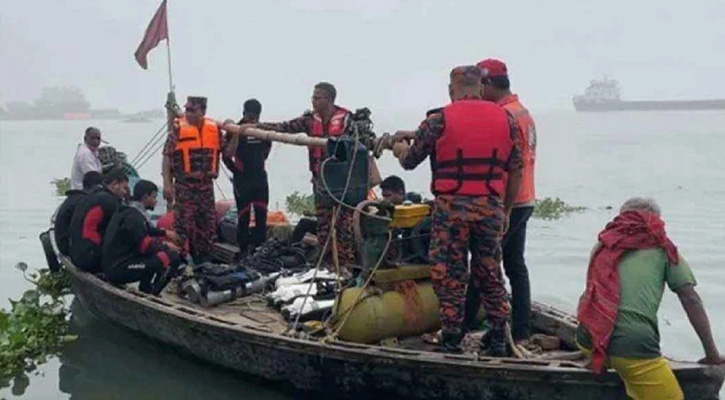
(63,218)
(134,251)
(251,189)
(88,228)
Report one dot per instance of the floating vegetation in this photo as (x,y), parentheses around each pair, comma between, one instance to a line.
(35,328)
(61,186)
(300,204)
(551,209)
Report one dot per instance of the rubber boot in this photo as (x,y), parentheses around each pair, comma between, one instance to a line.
(160,281)
(497,343)
(450,343)
(163,278)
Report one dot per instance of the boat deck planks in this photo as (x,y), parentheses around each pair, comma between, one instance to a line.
(245,338)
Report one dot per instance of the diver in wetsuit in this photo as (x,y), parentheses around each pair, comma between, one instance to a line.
(134,250)
(246,157)
(63,216)
(90,220)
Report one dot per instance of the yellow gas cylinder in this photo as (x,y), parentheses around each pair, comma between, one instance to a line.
(395,313)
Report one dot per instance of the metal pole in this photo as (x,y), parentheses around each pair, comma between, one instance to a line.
(168,48)
(168,57)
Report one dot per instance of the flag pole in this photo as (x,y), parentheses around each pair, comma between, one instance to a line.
(168,57)
(168,48)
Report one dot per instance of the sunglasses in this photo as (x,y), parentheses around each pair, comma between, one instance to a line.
(190,109)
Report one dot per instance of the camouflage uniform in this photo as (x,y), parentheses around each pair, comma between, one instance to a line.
(194,210)
(462,224)
(345,238)
(195,216)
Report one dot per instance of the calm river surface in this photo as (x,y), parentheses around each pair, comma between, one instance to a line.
(587,160)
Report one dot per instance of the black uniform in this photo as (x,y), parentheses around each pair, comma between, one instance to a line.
(251,189)
(63,218)
(88,227)
(134,251)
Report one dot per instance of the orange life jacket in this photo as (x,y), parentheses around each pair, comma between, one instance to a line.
(471,156)
(336,127)
(527,129)
(197,154)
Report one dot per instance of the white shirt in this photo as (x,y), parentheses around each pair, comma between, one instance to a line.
(85,160)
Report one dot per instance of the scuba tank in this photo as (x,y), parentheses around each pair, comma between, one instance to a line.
(214,284)
(310,309)
(303,277)
(195,293)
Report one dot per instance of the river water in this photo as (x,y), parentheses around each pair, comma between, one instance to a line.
(591,160)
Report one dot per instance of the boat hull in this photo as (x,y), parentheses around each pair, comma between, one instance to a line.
(358,371)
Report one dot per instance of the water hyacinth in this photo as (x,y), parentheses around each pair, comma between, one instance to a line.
(552,209)
(62,185)
(35,327)
(300,204)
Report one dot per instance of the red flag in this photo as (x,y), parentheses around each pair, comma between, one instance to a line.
(157,31)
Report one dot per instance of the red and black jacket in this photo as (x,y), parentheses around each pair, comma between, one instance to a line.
(130,237)
(88,227)
(63,218)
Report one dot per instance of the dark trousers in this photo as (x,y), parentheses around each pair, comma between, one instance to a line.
(514,265)
(148,270)
(251,191)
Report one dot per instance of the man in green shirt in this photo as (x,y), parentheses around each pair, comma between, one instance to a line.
(634,348)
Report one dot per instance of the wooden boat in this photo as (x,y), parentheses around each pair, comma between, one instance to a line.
(250,340)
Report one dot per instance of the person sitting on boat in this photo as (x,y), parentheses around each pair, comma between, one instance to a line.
(63,216)
(628,270)
(190,165)
(326,120)
(245,157)
(476,166)
(90,220)
(86,158)
(393,190)
(134,250)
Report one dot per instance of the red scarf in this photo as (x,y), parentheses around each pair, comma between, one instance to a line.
(630,230)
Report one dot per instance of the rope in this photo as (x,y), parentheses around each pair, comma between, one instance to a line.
(333,225)
(138,155)
(348,312)
(314,276)
(224,196)
(158,146)
(143,150)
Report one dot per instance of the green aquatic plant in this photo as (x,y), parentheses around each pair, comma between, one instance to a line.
(300,204)
(62,185)
(35,327)
(551,209)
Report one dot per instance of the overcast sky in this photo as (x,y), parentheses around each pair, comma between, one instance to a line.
(392,56)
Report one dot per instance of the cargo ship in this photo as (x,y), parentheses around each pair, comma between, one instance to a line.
(605,95)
